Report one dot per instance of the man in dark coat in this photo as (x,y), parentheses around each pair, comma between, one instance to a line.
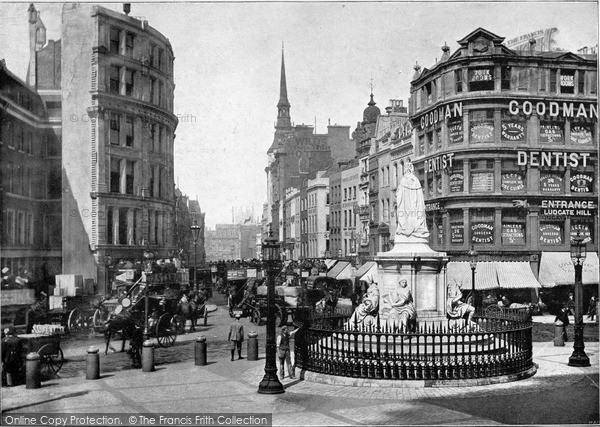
(236,336)
(12,358)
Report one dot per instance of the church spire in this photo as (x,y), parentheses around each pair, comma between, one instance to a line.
(283,106)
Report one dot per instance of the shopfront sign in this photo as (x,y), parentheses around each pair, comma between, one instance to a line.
(457,233)
(482,131)
(444,112)
(551,234)
(552,159)
(482,182)
(584,231)
(554,109)
(581,134)
(430,207)
(551,183)
(457,181)
(513,234)
(513,131)
(438,163)
(565,208)
(512,182)
(481,75)
(455,132)
(482,232)
(551,134)
(582,183)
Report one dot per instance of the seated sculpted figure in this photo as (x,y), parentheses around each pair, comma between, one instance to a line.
(457,309)
(402,313)
(366,312)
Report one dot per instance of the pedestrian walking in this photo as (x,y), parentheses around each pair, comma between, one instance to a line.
(571,304)
(592,308)
(563,316)
(12,358)
(283,351)
(236,336)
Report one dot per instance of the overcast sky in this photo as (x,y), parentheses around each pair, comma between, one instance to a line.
(228,58)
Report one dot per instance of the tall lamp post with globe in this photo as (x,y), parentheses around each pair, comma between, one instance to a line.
(473,263)
(270,383)
(578,254)
(196,229)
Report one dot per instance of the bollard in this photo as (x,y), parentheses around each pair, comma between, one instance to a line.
(252,346)
(200,351)
(148,356)
(32,368)
(559,330)
(92,364)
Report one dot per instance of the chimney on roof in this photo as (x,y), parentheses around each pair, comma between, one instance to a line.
(126,8)
(531,46)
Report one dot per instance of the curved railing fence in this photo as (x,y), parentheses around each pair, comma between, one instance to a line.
(438,349)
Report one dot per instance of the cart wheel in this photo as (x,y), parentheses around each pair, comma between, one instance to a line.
(76,321)
(100,317)
(165,333)
(178,323)
(51,360)
(492,310)
(205,315)
(280,316)
(255,318)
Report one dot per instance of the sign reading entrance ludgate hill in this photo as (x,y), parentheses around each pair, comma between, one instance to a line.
(568,207)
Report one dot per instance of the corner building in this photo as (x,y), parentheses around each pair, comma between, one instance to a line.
(116,101)
(506,151)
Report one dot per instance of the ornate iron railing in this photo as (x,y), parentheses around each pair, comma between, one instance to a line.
(438,350)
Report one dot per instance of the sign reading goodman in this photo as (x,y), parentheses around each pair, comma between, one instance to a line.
(576,110)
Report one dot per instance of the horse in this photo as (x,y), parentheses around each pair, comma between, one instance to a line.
(129,330)
(328,303)
(192,307)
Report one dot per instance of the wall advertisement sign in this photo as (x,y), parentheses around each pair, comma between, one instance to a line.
(551,134)
(512,182)
(440,228)
(551,183)
(482,232)
(482,131)
(455,132)
(482,182)
(551,234)
(582,183)
(513,131)
(567,208)
(457,233)
(513,234)
(567,81)
(457,182)
(584,231)
(481,75)
(581,134)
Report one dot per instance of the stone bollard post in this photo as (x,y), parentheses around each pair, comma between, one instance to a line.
(148,356)
(200,351)
(32,371)
(252,346)
(92,364)
(559,330)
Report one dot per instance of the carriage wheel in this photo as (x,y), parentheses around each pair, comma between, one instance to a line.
(178,323)
(100,317)
(165,333)
(76,322)
(205,315)
(51,360)
(280,315)
(255,317)
(492,310)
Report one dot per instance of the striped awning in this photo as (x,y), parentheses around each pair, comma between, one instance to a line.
(556,269)
(515,275)
(342,270)
(366,271)
(329,263)
(492,275)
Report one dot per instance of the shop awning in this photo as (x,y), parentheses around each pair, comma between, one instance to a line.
(329,263)
(366,271)
(342,270)
(515,275)
(556,269)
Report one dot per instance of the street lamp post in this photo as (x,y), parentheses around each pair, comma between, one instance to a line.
(578,253)
(196,233)
(148,256)
(473,263)
(270,383)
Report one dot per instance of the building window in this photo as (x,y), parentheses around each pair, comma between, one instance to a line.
(552,182)
(459,80)
(115,175)
(115,80)
(481,79)
(161,59)
(115,129)
(581,133)
(457,178)
(582,182)
(513,227)
(513,127)
(505,77)
(128,82)
(129,44)
(129,173)
(429,138)
(553,81)
(567,81)
(115,40)
(481,124)
(109,225)
(542,77)
(552,233)
(457,227)
(584,228)
(552,132)
(122,226)
(160,93)
(455,131)
(129,131)
(482,176)
(152,57)
(482,226)
(512,178)
(421,144)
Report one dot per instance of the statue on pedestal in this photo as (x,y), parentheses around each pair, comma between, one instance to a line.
(456,309)
(410,206)
(366,313)
(402,315)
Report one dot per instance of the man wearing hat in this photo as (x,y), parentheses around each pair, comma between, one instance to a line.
(12,359)
(236,336)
